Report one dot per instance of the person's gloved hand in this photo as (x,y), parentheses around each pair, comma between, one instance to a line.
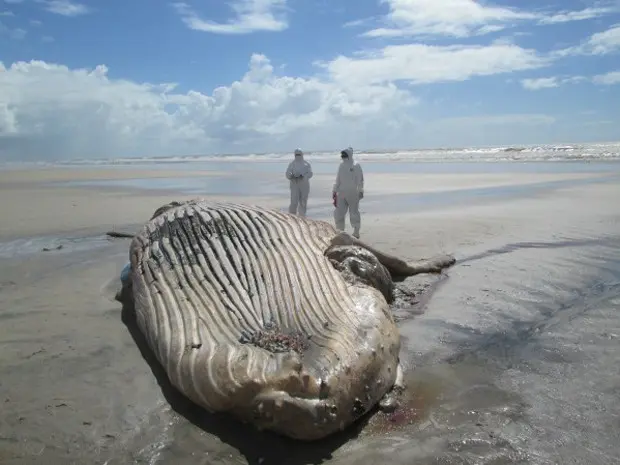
(361,195)
(334,198)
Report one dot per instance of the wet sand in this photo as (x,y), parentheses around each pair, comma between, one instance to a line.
(514,358)
(45,202)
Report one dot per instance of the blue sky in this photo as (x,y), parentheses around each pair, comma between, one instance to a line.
(151,78)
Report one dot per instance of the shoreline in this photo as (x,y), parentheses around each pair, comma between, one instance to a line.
(551,151)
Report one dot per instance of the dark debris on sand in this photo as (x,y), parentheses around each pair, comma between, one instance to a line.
(275,340)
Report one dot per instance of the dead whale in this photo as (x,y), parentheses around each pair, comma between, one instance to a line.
(282,321)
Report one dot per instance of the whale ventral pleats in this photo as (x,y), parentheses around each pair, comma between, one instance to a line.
(247,314)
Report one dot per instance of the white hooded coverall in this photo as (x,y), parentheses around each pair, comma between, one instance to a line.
(299,173)
(349,188)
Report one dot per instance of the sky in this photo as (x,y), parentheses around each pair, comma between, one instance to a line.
(127,78)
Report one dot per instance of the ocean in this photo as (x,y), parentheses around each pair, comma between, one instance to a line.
(570,152)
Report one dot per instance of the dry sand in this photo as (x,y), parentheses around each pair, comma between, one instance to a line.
(75,388)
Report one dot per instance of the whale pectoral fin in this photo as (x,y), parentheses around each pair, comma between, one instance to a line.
(429,265)
(395,265)
(359,265)
(391,400)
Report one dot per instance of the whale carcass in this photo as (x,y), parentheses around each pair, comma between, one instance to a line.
(282,321)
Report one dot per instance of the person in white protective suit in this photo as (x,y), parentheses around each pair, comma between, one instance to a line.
(348,191)
(299,173)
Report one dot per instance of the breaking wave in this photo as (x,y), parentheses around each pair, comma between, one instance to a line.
(582,152)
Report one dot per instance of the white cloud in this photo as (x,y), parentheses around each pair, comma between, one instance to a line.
(13,2)
(66,7)
(458,18)
(613,77)
(420,64)
(579,15)
(540,83)
(465,18)
(250,16)
(490,28)
(6,13)
(550,82)
(603,43)
(49,110)
(358,22)
(600,43)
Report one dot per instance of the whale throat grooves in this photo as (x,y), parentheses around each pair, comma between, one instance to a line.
(247,315)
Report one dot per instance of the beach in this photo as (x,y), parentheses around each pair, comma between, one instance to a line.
(512,357)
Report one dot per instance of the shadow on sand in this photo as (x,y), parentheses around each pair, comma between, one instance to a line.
(264,448)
